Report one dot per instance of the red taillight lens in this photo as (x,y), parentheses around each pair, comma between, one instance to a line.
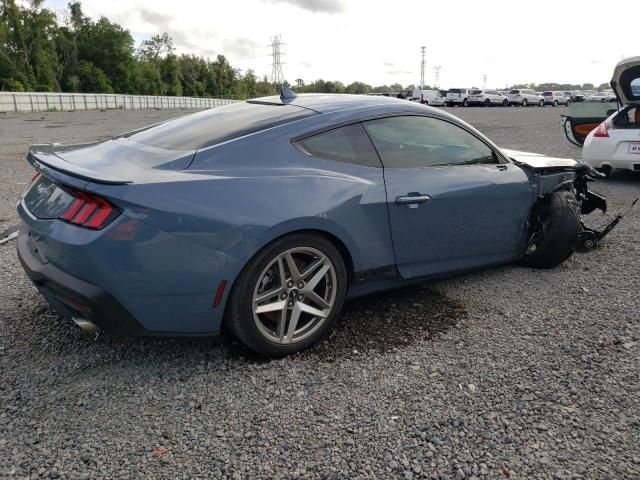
(601,130)
(90,211)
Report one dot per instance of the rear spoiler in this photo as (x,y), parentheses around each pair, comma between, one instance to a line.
(41,159)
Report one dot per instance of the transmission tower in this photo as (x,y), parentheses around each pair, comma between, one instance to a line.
(422,64)
(436,76)
(484,81)
(277,77)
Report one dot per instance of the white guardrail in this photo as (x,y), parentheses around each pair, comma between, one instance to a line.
(48,102)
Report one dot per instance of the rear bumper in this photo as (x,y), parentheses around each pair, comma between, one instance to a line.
(72,297)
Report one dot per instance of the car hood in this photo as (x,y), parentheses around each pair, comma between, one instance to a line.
(537,160)
(626,80)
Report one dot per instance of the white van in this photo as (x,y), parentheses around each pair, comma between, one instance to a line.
(427,97)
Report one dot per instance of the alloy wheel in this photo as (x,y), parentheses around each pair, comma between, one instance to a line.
(294,295)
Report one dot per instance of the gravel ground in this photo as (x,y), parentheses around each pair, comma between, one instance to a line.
(508,372)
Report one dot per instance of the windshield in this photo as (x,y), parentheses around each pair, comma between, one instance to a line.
(475,92)
(217,125)
(514,92)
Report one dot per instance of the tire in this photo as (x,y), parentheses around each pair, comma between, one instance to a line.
(505,103)
(541,103)
(560,226)
(270,332)
(568,103)
(464,102)
(524,102)
(555,103)
(487,103)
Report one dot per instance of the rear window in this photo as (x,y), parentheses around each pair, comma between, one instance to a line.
(217,125)
(475,92)
(453,90)
(547,94)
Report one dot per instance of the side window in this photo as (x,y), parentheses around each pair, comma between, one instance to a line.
(348,144)
(418,142)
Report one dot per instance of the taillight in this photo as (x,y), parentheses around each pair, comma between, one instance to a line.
(602,130)
(90,211)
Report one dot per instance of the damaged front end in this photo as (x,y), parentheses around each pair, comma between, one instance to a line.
(548,175)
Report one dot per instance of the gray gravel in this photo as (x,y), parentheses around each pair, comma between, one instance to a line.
(509,372)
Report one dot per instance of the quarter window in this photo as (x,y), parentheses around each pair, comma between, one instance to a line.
(348,144)
(417,142)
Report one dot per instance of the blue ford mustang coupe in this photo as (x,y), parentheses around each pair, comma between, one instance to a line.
(264,215)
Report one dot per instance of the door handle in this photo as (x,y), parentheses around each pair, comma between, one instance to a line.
(412,199)
(501,167)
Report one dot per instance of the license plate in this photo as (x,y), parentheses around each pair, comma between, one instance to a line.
(634,148)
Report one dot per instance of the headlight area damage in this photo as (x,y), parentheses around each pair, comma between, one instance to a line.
(556,228)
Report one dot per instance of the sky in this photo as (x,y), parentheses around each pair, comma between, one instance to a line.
(379,43)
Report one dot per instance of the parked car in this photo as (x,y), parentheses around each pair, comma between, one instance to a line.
(615,142)
(427,97)
(432,97)
(487,98)
(555,98)
(525,97)
(265,215)
(457,96)
(603,96)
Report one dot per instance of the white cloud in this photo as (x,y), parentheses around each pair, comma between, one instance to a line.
(374,42)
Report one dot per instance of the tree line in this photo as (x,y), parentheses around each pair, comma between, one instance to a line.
(42,51)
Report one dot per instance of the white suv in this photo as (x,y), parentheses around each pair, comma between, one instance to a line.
(556,98)
(457,96)
(487,98)
(524,97)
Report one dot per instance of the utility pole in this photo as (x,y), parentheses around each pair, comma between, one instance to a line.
(484,81)
(436,76)
(422,65)
(277,77)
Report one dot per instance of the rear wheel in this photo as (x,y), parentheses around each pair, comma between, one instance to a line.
(524,102)
(555,103)
(464,102)
(487,103)
(555,224)
(541,103)
(568,102)
(288,296)
(505,103)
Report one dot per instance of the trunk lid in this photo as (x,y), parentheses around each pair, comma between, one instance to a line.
(626,80)
(116,161)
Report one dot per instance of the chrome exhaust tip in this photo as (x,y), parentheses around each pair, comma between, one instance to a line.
(85,325)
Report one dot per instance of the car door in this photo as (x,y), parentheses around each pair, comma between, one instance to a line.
(453,202)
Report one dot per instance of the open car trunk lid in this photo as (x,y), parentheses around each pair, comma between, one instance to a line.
(626,80)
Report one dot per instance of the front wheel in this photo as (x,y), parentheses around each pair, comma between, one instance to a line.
(555,103)
(288,296)
(487,103)
(555,226)
(541,103)
(464,102)
(524,102)
(505,103)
